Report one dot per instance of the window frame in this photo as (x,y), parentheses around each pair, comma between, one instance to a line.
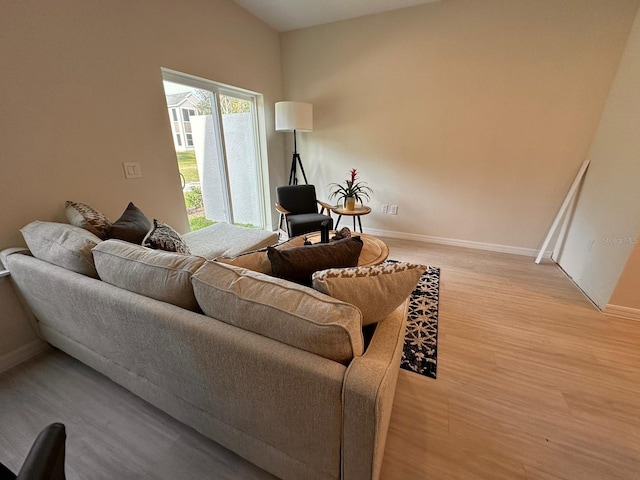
(262,166)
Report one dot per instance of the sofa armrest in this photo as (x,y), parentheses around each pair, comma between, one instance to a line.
(368,392)
(10,251)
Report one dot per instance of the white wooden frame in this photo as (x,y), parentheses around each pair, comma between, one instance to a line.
(563,208)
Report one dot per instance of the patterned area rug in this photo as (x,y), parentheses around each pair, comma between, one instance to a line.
(421,342)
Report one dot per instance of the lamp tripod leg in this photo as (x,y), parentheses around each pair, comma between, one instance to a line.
(293,180)
(295,161)
(297,155)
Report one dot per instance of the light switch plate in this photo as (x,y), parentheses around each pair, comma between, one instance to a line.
(132,170)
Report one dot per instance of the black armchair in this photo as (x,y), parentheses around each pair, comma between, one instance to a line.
(45,460)
(298,207)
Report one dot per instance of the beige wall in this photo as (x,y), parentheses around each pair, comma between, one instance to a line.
(606,221)
(473,117)
(81,92)
(627,291)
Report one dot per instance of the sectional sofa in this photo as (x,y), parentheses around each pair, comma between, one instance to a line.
(277,372)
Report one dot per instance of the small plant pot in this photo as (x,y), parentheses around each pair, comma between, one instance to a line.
(349,203)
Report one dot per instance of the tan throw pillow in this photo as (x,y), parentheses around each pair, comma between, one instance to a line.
(258,261)
(63,245)
(132,226)
(87,217)
(164,237)
(280,310)
(298,264)
(376,291)
(164,276)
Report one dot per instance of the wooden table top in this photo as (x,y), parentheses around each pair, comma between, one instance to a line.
(355,211)
(374,250)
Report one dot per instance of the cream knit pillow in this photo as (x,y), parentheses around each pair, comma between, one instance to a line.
(376,291)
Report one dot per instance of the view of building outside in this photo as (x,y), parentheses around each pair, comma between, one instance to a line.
(206,185)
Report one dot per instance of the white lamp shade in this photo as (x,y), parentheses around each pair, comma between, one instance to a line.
(292,116)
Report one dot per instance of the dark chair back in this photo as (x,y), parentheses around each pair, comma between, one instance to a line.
(298,198)
(45,460)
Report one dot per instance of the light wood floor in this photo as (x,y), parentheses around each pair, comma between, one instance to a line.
(533,383)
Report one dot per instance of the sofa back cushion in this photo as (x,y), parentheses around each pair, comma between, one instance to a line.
(164,276)
(63,245)
(284,311)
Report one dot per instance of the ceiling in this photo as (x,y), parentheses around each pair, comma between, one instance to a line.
(284,15)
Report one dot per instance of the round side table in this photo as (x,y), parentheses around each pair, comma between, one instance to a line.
(357,212)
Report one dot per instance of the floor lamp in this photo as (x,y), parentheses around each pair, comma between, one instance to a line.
(294,117)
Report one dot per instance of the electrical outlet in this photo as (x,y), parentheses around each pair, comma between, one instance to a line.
(394,209)
(385,208)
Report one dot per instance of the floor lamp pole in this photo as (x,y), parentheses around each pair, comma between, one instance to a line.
(295,161)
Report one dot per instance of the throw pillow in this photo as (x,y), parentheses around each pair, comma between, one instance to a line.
(132,226)
(258,261)
(255,261)
(87,217)
(163,237)
(298,264)
(280,310)
(376,291)
(164,276)
(63,245)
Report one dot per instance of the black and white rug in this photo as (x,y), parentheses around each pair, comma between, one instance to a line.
(420,353)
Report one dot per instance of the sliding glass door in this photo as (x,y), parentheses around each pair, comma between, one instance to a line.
(215,134)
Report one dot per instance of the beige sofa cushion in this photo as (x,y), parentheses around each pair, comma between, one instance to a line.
(376,291)
(164,276)
(281,310)
(228,240)
(63,245)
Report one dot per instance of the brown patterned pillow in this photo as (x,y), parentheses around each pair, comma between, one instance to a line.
(87,217)
(376,291)
(163,237)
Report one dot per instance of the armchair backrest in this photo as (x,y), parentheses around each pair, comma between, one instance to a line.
(298,199)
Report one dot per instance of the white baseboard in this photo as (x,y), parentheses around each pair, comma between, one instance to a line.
(624,312)
(529,252)
(22,354)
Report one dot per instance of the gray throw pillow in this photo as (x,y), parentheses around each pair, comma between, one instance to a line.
(132,226)
(298,264)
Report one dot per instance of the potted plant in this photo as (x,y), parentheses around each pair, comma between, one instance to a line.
(351,191)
